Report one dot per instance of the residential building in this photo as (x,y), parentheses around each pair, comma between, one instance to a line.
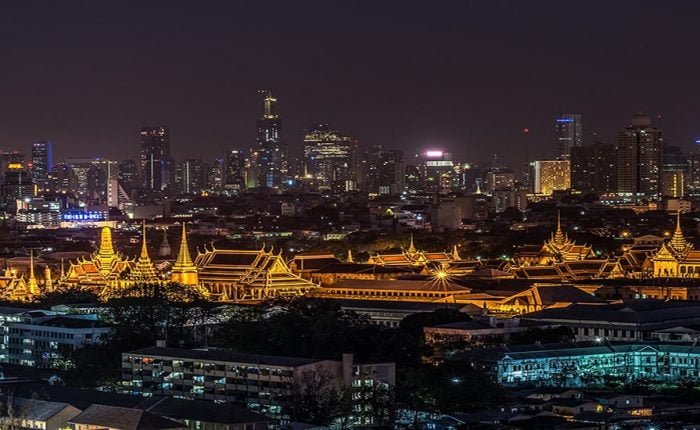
(593,168)
(261,383)
(639,158)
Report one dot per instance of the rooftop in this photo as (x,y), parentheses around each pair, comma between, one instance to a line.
(212,354)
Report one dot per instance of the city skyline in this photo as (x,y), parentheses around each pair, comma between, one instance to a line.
(495,77)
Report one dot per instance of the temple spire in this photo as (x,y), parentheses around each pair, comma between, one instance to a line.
(32,284)
(349,259)
(559,237)
(455,253)
(144,245)
(678,241)
(144,270)
(411,247)
(184,271)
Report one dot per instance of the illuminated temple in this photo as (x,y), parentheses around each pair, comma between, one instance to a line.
(559,248)
(676,258)
(413,257)
(240,275)
(104,267)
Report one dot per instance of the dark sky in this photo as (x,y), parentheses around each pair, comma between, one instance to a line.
(458,75)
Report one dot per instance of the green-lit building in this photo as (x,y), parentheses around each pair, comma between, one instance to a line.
(584,364)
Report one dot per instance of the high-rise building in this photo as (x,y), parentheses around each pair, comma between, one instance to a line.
(90,178)
(191,176)
(269,157)
(436,171)
(550,175)
(129,175)
(593,168)
(234,175)
(639,158)
(675,173)
(42,163)
(17,185)
(384,171)
(331,158)
(155,158)
(568,129)
(694,170)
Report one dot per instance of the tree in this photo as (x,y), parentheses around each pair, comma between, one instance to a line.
(314,398)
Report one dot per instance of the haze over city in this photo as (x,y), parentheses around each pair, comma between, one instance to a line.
(466,77)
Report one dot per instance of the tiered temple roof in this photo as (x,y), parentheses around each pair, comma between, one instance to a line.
(413,257)
(248,275)
(558,248)
(101,267)
(144,271)
(677,257)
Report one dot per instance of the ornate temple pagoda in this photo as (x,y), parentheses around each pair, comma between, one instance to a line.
(102,268)
(559,248)
(676,258)
(184,271)
(413,257)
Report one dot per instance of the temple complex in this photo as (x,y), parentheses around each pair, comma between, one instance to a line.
(102,268)
(244,275)
(557,249)
(676,258)
(184,271)
(413,257)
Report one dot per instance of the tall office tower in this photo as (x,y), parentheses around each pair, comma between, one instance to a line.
(128,175)
(331,158)
(269,157)
(60,178)
(568,129)
(694,170)
(675,172)
(191,176)
(234,172)
(155,158)
(499,179)
(435,171)
(42,163)
(593,168)
(384,171)
(10,158)
(90,178)
(550,175)
(17,185)
(215,181)
(639,158)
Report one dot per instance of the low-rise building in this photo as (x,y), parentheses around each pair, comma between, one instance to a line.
(588,363)
(260,382)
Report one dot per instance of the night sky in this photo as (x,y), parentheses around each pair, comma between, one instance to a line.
(461,76)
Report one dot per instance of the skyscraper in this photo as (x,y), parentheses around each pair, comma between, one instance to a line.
(568,129)
(269,157)
(675,172)
(593,168)
(384,171)
(42,163)
(234,171)
(155,158)
(639,158)
(331,158)
(191,176)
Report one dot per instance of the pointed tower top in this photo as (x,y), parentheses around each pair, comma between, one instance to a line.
(678,241)
(411,247)
(349,259)
(184,271)
(455,253)
(559,236)
(106,247)
(478,187)
(144,245)
(32,284)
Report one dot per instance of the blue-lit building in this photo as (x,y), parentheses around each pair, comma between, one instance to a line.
(568,129)
(587,364)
